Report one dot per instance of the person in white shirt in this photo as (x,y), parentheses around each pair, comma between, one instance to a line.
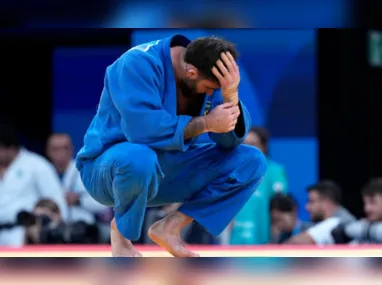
(324,206)
(365,231)
(82,207)
(25,178)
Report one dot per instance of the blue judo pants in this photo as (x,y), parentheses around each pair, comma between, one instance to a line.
(212,182)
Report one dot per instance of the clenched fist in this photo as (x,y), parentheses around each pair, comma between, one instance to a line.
(223,118)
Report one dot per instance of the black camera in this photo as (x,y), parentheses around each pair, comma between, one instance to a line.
(59,233)
(361,231)
(28,219)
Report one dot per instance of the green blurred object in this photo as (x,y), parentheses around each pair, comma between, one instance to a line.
(375,48)
(252,226)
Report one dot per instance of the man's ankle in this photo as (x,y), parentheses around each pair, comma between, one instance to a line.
(113,225)
(175,222)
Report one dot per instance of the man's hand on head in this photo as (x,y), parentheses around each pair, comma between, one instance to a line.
(227,72)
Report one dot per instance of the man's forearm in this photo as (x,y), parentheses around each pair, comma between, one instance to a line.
(195,127)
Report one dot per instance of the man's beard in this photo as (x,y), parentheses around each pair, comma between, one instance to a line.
(188,88)
(6,159)
(5,162)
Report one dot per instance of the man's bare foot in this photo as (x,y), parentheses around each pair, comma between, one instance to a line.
(120,246)
(166,234)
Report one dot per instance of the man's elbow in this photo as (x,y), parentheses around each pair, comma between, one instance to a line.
(228,146)
(227,140)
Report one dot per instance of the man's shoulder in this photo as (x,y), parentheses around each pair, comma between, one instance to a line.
(34,160)
(321,232)
(344,215)
(326,223)
(137,61)
(145,53)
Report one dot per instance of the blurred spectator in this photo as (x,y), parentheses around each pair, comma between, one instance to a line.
(25,178)
(369,230)
(45,226)
(324,206)
(372,200)
(324,202)
(252,224)
(81,206)
(46,216)
(285,222)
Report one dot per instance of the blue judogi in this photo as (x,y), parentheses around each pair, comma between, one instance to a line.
(134,154)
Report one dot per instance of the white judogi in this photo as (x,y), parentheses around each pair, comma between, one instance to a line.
(29,178)
(71,181)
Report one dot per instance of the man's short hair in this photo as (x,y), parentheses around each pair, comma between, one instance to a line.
(283,203)
(48,204)
(327,189)
(204,52)
(373,187)
(8,136)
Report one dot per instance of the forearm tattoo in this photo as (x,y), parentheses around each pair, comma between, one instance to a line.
(195,127)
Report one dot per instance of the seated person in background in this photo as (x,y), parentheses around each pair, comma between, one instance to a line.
(365,231)
(285,222)
(324,206)
(324,202)
(81,206)
(252,224)
(25,178)
(46,216)
(45,226)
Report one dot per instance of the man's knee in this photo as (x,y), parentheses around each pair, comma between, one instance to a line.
(254,160)
(140,162)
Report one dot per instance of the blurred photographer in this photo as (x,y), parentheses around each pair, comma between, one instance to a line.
(45,226)
(25,178)
(326,211)
(368,230)
(81,206)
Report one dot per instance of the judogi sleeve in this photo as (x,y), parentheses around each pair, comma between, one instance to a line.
(237,136)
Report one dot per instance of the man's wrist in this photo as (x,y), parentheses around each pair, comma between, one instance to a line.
(205,123)
(231,98)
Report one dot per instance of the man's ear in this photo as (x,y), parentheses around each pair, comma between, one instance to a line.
(192,72)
